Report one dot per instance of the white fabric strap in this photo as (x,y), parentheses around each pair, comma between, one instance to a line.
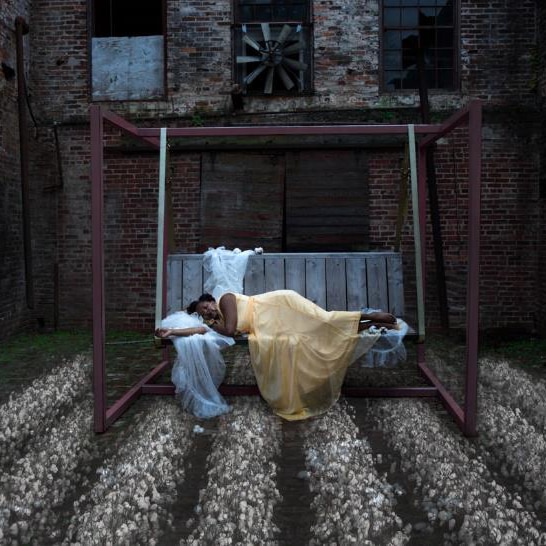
(160,227)
(416,234)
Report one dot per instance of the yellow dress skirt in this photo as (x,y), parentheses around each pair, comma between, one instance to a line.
(299,351)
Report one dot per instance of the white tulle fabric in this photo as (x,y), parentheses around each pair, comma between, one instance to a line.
(225,269)
(199,368)
(389,350)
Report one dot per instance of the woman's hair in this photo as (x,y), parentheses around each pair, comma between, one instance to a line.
(192,307)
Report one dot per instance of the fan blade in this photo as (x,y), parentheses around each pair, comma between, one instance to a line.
(294,48)
(266,31)
(248,59)
(251,42)
(288,83)
(296,65)
(268,89)
(285,32)
(254,74)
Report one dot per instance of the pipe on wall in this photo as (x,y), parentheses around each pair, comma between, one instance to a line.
(22,28)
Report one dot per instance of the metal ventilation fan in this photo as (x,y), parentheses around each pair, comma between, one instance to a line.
(279,57)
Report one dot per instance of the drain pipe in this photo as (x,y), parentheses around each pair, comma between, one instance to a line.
(22,28)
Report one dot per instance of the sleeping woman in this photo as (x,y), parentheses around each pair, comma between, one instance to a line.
(299,352)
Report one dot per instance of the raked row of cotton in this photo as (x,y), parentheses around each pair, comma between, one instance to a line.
(456,488)
(353,503)
(237,504)
(28,412)
(517,390)
(37,484)
(511,427)
(130,503)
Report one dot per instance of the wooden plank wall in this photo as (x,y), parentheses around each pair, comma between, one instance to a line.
(335,281)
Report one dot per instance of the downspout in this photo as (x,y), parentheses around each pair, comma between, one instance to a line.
(433,198)
(21,28)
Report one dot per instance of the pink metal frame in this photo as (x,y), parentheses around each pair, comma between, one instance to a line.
(465,415)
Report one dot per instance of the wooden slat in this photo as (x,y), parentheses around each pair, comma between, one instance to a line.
(336,285)
(395,284)
(254,277)
(274,274)
(315,281)
(192,279)
(376,270)
(357,288)
(174,288)
(335,280)
(294,271)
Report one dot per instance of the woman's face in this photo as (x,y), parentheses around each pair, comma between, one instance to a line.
(207,309)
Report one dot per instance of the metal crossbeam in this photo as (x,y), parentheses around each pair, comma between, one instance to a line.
(465,415)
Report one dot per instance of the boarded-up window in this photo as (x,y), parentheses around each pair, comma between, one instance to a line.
(326,201)
(242,199)
(294,201)
(127,50)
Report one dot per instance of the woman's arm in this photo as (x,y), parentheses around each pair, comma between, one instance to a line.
(182,332)
(228,308)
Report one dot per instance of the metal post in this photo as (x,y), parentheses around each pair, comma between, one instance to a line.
(473,285)
(160,229)
(97,208)
(417,228)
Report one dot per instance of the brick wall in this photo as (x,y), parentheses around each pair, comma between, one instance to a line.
(130,229)
(496,41)
(14,312)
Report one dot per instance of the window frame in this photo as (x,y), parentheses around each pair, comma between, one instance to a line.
(307,28)
(91,36)
(456,70)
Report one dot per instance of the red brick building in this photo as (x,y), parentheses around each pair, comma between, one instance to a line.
(244,62)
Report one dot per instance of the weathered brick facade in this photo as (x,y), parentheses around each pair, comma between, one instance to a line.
(500,63)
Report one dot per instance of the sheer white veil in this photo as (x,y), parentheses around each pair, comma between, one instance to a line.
(199,368)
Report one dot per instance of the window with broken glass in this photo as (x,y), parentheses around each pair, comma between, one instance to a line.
(419,40)
(272,45)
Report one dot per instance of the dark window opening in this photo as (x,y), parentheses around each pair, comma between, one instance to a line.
(127,18)
(419,30)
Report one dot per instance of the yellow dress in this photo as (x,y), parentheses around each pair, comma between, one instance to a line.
(299,351)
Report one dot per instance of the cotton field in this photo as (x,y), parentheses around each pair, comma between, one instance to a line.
(369,472)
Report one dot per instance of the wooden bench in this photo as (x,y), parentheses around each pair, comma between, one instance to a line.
(335,281)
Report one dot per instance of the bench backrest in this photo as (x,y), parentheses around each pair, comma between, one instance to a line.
(335,281)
